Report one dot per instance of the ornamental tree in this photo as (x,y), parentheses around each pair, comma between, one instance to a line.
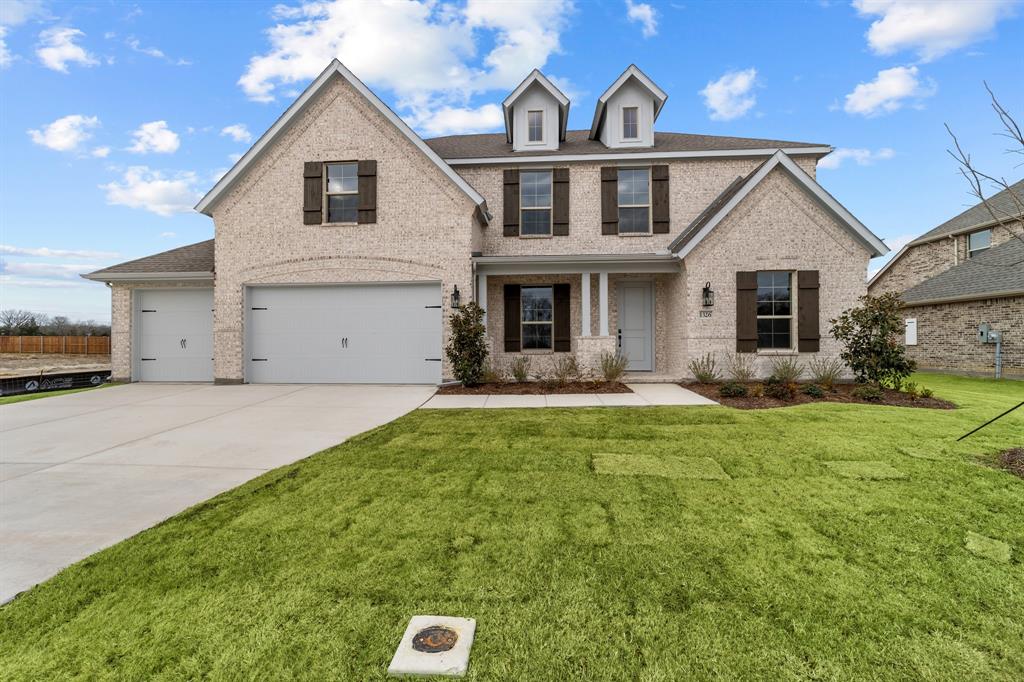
(870,334)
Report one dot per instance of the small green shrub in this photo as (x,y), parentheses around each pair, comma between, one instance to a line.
(779,389)
(492,374)
(786,370)
(814,391)
(613,366)
(732,390)
(872,335)
(911,389)
(467,348)
(756,390)
(740,366)
(825,372)
(927,393)
(868,392)
(705,369)
(519,368)
(566,370)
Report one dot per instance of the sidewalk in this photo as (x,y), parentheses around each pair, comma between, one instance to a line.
(643,395)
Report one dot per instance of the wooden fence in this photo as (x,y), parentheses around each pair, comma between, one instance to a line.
(78,345)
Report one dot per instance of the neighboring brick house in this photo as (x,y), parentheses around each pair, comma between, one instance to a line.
(343,240)
(964,273)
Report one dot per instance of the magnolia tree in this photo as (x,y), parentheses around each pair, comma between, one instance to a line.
(870,334)
(467,347)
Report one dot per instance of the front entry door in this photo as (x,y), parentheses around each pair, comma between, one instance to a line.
(636,324)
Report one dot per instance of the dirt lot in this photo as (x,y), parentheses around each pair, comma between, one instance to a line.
(18,364)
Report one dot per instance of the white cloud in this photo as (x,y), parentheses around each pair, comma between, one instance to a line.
(101,152)
(17,12)
(237,132)
(888,92)
(643,14)
(862,157)
(57,49)
(142,187)
(15,281)
(168,235)
(730,96)
(47,270)
(423,52)
(449,120)
(45,252)
(65,134)
(234,158)
(931,28)
(6,58)
(137,46)
(155,136)
(894,244)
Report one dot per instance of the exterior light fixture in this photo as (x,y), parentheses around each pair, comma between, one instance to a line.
(708,295)
(456,297)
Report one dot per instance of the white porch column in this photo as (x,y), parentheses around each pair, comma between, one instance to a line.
(481,294)
(602,301)
(585,304)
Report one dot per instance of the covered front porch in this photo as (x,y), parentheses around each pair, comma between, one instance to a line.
(546,306)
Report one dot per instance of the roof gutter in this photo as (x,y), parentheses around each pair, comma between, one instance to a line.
(965,298)
(147,276)
(964,230)
(633,157)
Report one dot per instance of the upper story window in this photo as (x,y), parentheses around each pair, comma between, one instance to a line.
(630,123)
(535,126)
(978,242)
(775,310)
(535,203)
(634,200)
(342,193)
(537,320)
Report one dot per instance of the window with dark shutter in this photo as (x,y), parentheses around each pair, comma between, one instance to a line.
(609,200)
(808,334)
(512,320)
(560,210)
(659,199)
(563,340)
(312,192)
(367,173)
(511,202)
(746,312)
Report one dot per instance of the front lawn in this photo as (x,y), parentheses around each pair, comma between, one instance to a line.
(587,547)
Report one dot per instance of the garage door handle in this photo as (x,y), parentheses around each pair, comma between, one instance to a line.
(184,344)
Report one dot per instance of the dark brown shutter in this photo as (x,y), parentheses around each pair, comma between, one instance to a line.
(746,312)
(367,172)
(563,341)
(808,336)
(312,192)
(659,199)
(511,202)
(513,321)
(560,202)
(609,200)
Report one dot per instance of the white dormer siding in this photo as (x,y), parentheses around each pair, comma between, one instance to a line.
(631,94)
(536,99)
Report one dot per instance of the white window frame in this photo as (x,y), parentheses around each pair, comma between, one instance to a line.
(970,251)
(549,208)
(543,126)
(523,323)
(328,195)
(648,205)
(622,119)
(793,341)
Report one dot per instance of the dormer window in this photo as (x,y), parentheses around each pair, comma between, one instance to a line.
(630,123)
(535,126)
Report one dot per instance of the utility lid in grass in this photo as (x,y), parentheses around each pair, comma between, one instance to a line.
(618,464)
(987,548)
(870,471)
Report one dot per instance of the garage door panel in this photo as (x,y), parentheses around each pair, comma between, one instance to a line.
(379,333)
(175,334)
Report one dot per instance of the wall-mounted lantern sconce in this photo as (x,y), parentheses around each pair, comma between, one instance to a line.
(708,295)
(456,297)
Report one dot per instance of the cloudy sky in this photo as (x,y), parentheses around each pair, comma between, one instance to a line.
(116,117)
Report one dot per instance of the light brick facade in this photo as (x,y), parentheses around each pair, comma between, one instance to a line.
(947,335)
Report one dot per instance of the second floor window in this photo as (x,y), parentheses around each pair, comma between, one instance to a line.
(774,310)
(342,193)
(535,203)
(534,126)
(978,242)
(634,200)
(630,123)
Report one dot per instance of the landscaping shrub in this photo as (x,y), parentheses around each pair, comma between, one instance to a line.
(871,337)
(756,390)
(786,370)
(705,369)
(927,393)
(779,389)
(732,390)
(910,388)
(814,391)
(868,392)
(467,348)
(825,372)
(740,366)
(613,366)
(519,368)
(566,370)
(492,374)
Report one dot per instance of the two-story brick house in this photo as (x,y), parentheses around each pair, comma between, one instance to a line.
(343,240)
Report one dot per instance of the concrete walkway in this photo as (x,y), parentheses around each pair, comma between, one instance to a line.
(83,471)
(642,395)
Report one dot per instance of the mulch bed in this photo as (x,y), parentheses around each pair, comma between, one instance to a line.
(841,394)
(534,388)
(1013,461)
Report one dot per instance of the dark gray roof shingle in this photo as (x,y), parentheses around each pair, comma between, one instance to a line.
(1002,203)
(192,258)
(997,271)
(491,145)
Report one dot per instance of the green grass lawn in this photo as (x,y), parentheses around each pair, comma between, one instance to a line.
(764,562)
(10,399)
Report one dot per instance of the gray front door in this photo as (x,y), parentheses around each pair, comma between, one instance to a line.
(636,324)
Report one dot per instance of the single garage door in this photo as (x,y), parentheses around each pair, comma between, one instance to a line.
(373,333)
(175,334)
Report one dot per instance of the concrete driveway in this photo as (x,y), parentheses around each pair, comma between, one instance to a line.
(83,471)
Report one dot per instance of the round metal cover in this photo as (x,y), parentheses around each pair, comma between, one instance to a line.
(435,639)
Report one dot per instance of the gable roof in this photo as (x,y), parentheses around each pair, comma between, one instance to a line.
(999,271)
(335,68)
(728,200)
(540,79)
(194,261)
(633,72)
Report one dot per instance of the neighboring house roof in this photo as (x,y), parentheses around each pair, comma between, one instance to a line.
(454,148)
(737,191)
(631,72)
(540,79)
(206,204)
(999,271)
(194,261)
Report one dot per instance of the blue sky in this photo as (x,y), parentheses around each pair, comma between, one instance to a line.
(116,117)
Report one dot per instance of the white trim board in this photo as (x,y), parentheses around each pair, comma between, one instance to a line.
(630,157)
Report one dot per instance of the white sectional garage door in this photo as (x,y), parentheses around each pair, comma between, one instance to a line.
(175,334)
(372,333)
